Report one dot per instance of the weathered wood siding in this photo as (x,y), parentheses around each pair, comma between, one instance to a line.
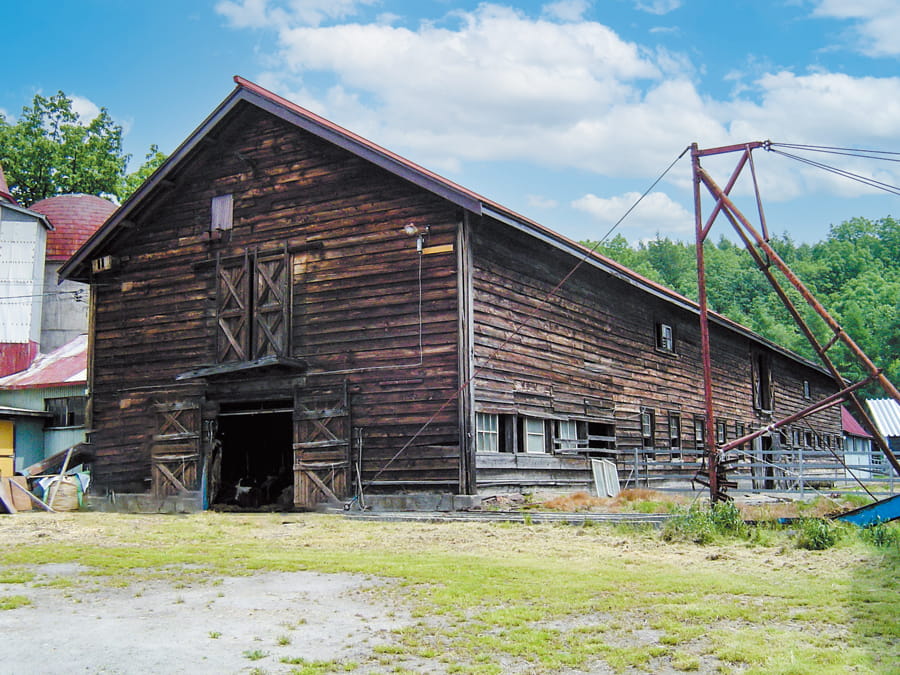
(356,312)
(592,347)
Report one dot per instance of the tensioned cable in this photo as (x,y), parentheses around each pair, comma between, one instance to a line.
(78,295)
(871,182)
(835,150)
(522,324)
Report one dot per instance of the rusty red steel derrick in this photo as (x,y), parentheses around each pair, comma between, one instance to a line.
(766,258)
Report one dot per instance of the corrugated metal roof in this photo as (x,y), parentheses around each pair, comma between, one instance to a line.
(66,365)
(850,426)
(886,415)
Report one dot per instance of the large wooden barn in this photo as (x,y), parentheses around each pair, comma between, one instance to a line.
(287,307)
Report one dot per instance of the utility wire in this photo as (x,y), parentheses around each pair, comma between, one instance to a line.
(522,324)
(887,155)
(78,295)
(871,182)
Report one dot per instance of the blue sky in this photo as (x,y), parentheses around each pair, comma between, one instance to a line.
(564,110)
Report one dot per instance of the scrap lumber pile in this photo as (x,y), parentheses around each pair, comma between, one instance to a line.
(61,489)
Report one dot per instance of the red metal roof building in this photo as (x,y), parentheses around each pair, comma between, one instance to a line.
(850,426)
(62,367)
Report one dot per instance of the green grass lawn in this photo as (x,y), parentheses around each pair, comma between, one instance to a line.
(498,598)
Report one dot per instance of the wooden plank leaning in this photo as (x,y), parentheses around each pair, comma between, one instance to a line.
(37,500)
(6,495)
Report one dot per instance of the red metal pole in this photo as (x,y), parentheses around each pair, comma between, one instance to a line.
(834,399)
(792,278)
(709,436)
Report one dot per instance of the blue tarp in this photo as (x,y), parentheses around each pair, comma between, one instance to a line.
(874,513)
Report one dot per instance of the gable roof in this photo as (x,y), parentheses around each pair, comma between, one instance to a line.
(74,217)
(850,426)
(78,265)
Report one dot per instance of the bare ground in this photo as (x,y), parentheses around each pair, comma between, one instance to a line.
(211,628)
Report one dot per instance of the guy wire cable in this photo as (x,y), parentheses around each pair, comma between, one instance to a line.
(522,324)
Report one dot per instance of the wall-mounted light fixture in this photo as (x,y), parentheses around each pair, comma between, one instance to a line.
(413,230)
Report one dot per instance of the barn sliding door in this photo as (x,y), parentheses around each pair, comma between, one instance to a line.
(175,449)
(321,446)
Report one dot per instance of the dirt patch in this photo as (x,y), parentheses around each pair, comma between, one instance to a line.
(229,625)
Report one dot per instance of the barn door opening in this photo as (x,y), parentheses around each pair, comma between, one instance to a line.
(321,446)
(251,463)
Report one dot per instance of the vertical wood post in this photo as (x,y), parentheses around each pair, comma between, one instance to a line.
(467,477)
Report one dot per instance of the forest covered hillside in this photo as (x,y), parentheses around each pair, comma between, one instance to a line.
(854,273)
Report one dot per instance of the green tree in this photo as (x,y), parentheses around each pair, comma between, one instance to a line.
(854,273)
(133,181)
(49,151)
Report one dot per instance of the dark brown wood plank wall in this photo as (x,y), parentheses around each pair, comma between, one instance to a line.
(597,339)
(356,294)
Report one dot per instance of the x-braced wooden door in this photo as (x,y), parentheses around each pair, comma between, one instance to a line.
(321,446)
(253,306)
(175,449)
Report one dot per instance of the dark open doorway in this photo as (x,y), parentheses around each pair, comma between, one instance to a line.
(252,466)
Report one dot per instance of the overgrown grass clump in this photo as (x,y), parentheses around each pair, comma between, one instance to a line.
(704,524)
(817,534)
(882,535)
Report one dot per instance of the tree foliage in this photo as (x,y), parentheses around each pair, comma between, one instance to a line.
(152,161)
(854,273)
(50,151)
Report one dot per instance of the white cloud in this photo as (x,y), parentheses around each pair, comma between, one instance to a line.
(876,23)
(497,84)
(541,202)
(84,108)
(245,13)
(566,10)
(658,7)
(824,109)
(273,13)
(657,212)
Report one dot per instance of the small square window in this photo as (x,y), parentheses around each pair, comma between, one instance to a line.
(699,433)
(66,412)
(222,213)
(665,337)
(739,431)
(675,431)
(720,432)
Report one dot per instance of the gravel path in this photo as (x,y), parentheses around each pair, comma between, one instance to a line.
(151,627)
